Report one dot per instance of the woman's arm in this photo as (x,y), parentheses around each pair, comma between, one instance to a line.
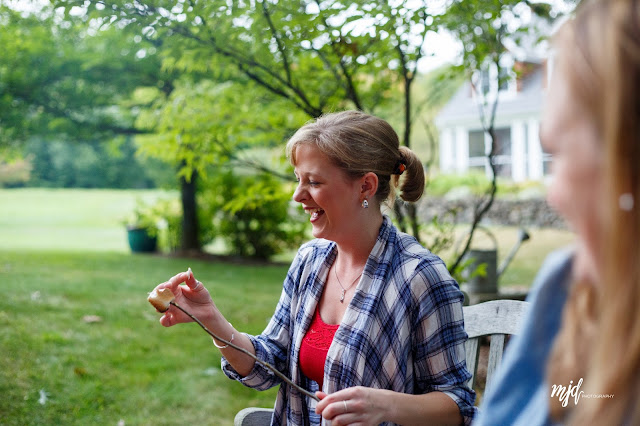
(272,345)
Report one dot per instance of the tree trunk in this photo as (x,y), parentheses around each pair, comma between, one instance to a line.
(397,209)
(190,231)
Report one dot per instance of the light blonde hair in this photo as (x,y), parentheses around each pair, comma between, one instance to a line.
(599,339)
(359,143)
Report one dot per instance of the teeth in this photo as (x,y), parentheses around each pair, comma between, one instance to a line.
(314,212)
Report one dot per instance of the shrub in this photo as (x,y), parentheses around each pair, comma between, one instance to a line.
(251,214)
(14,173)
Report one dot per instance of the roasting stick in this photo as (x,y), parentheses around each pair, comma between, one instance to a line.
(155,298)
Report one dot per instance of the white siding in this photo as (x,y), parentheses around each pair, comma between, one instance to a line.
(462,149)
(447,150)
(535,151)
(518,151)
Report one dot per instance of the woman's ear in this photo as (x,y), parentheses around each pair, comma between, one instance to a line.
(369,186)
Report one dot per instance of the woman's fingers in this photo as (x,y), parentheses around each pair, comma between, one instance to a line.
(192,295)
(182,277)
(329,405)
(167,319)
(349,406)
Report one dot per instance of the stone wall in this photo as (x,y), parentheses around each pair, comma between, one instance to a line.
(533,212)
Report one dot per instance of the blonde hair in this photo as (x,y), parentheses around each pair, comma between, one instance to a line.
(359,143)
(599,339)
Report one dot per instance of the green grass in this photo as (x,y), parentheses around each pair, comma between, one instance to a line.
(529,257)
(68,219)
(524,266)
(126,366)
(63,257)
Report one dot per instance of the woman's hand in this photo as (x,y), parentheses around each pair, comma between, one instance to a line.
(353,406)
(193,296)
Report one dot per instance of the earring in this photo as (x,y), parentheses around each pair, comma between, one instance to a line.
(365,204)
(625,202)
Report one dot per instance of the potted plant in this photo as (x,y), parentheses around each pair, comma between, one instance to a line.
(142,229)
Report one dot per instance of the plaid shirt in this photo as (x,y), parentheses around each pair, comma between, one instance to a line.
(402,331)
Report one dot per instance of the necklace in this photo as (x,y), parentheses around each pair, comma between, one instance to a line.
(344,290)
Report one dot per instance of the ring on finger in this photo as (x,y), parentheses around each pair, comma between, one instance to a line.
(345,406)
(198,284)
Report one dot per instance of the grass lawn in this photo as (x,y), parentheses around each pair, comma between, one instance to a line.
(64,262)
(124,366)
(527,261)
(80,344)
(68,219)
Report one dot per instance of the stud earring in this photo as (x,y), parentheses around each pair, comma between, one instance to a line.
(365,204)
(625,202)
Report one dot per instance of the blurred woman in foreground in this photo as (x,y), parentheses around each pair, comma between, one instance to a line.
(577,360)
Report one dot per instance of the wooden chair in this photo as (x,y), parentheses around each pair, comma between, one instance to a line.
(496,319)
(253,416)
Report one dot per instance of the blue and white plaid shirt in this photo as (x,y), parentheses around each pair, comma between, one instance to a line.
(403,330)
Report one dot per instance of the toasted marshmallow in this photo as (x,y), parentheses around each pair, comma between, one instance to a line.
(160,299)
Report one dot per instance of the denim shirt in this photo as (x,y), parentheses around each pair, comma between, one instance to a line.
(519,393)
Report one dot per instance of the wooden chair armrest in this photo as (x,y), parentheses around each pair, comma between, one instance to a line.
(253,416)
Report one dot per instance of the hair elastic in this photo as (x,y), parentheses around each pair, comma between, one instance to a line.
(399,168)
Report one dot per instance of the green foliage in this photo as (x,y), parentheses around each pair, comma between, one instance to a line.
(14,173)
(66,80)
(207,123)
(477,183)
(483,26)
(251,213)
(317,57)
(145,217)
(65,164)
(169,223)
(430,93)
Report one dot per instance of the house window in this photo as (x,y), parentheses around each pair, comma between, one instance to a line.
(502,154)
(476,143)
(477,150)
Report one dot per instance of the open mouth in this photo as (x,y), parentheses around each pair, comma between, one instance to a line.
(315,213)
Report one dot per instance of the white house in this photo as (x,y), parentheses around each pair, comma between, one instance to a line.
(463,142)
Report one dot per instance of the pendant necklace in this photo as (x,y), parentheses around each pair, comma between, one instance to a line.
(344,290)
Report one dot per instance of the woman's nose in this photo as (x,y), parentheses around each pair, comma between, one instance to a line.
(298,194)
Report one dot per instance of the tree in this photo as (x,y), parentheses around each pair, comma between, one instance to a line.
(485,28)
(59,78)
(316,56)
(313,56)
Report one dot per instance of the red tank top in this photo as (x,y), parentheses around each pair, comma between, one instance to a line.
(314,348)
